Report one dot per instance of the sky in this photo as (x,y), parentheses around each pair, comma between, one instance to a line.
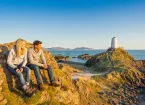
(74,23)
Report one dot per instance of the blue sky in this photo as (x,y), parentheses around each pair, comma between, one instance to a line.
(74,23)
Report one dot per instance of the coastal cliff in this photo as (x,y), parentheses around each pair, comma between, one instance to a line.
(121,84)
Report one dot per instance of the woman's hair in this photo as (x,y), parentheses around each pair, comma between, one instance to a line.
(19,50)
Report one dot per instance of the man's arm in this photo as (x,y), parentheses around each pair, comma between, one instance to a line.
(43,58)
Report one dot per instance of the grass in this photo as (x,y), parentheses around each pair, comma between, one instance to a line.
(13,98)
(34,99)
(103,65)
(51,103)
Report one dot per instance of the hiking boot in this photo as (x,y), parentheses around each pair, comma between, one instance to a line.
(30,88)
(54,84)
(41,87)
(28,92)
(28,85)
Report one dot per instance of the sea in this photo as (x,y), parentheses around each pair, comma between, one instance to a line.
(137,54)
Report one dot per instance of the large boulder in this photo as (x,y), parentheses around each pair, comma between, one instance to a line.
(60,58)
(84,56)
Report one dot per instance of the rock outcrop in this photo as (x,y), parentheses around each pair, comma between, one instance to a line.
(124,79)
(60,58)
(11,94)
(84,56)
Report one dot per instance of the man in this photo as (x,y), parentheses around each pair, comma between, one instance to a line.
(37,61)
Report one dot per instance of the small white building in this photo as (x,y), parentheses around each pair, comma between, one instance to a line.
(114,43)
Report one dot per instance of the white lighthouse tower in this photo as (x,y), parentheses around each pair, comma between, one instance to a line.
(114,43)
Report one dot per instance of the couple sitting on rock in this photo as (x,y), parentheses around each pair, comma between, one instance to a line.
(17,64)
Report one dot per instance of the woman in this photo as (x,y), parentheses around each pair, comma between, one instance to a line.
(17,60)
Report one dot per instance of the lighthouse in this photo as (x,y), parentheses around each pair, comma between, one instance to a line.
(114,43)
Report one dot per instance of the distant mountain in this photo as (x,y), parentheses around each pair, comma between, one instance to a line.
(67,49)
(83,48)
(58,49)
